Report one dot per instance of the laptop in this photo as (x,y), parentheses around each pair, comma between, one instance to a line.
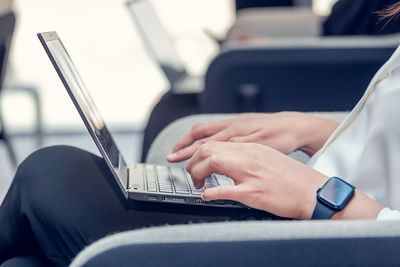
(143,182)
(161,48)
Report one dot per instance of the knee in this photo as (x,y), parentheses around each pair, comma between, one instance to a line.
(54,165)
(55,177)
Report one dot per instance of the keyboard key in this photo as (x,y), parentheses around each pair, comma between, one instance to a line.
(191,185)
(210,182)
(223,180)
(180,181)
(151,187)
(136,177)
(166,189)
(151,178)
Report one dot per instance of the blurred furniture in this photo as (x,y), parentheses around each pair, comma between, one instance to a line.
(161,48)
(349,17)
(32,91)
(7,24)
(243,4)
(273,22)
(269,243)
(303,74)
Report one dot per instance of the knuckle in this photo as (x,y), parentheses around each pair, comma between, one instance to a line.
(215,162)
(205,150)
(196,127)
(188,168)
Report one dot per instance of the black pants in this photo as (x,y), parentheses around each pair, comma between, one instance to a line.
(62,199)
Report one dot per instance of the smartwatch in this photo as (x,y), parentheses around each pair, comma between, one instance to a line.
(332,198)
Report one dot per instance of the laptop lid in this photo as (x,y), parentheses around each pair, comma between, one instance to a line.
(155,38)
(83,102)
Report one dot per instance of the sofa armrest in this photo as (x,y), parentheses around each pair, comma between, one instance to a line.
(315,242)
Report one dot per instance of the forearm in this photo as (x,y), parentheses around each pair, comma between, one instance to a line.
(359,207)
(315,132)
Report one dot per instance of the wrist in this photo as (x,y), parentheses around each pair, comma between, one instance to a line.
(309,197)
(359,207)
(315,133)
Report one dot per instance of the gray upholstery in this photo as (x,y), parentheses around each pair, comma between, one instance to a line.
(242,231)
(293,73)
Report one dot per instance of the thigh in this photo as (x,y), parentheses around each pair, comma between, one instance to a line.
(31,261)
(68,198)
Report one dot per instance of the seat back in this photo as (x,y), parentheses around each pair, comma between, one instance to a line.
(302,78)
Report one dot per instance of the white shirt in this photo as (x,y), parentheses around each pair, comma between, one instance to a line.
(365,148)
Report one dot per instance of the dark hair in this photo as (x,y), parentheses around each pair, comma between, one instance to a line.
(389,13)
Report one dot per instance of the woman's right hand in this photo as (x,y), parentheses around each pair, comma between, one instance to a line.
(283,131)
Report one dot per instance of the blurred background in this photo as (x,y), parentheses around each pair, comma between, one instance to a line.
(107,48)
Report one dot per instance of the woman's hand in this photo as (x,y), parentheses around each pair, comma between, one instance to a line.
(264,178)
(284,131)
(268,180)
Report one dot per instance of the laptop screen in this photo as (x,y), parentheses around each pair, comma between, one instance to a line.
(84,104)
(155,38)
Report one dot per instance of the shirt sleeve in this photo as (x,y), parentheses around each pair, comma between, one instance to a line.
(388,215)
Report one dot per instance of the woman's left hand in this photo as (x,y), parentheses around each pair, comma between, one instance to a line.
(264,178)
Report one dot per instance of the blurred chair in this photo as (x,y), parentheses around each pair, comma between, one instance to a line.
(274,22)
(7,24)
(348,17)
(182,98)
(303,74)
(266,243)
(161,48)
(243,4)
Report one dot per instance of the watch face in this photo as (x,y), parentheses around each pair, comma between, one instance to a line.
(336,193)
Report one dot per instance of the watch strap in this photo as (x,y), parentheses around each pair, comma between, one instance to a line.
(322,212)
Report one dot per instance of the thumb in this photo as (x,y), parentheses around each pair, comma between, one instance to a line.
(227,192)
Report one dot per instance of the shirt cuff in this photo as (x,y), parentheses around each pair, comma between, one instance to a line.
(387,214)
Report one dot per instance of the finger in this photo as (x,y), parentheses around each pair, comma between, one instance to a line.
(252,138)
(217,157)
(199,131)
(226,192)
(188,151)
(184,153)
(199,165)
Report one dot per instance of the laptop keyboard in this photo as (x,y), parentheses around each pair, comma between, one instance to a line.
(176,180)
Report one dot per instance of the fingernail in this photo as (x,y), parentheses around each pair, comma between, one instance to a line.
(202,196)
(171,156)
